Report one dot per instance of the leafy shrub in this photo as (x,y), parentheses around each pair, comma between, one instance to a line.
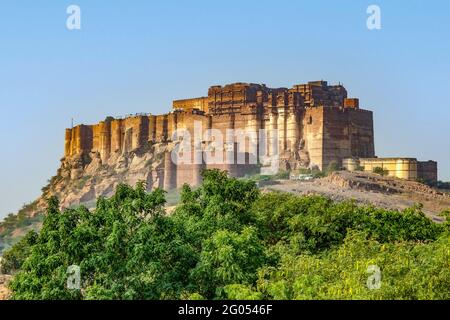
(332,167)
(380,171)
(435,184)
(282,175)
(13,259)
(227,240)
(342,273)
(227,258)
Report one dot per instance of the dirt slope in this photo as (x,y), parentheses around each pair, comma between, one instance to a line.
(365,188)
(4,291)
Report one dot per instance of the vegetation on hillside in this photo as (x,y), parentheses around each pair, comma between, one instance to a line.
(436,184)
(381,171)
(14,227)
(227,240)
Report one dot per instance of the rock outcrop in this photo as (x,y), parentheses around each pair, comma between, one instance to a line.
(82,181)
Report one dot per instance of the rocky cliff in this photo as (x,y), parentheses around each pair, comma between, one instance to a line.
(83,180)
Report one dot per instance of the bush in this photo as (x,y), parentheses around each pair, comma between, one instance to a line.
(343,272)
(380,171)
(282,175)
(332,167)
(435,184)
(226,240)
(13,258)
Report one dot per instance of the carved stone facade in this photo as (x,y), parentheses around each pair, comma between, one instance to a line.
(316,125)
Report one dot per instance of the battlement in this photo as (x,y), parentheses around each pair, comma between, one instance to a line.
(403,168)
(312,125)
(316,124)
(189,104)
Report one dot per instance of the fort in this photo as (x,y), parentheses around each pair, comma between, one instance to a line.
(316,125)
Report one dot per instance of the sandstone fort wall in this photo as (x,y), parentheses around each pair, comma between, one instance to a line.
(316,125)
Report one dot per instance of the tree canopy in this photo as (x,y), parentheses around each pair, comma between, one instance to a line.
(227,240)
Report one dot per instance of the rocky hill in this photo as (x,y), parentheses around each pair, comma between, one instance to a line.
(367,188)
(82,181)
(77,184)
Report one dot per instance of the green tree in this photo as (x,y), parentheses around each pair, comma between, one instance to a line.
(126,249)
(228,240)
(408,271)
(227,258)
(14,258)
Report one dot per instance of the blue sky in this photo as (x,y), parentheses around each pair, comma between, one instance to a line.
(137,56)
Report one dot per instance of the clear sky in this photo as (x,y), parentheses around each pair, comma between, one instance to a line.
(137,56)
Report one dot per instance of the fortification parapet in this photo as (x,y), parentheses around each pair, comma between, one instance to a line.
(313,124)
